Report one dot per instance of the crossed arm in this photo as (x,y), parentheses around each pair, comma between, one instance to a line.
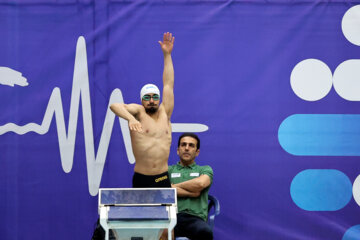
(193,187)
(129,113)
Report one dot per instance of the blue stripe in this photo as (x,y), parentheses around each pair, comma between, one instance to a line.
(321,190)
(352,233)
(321,134)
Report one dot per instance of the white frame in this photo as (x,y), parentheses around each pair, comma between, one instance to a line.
(150,226)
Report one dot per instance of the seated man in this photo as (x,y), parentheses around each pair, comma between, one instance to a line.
(192,183)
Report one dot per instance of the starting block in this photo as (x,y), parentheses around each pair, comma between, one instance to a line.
(137,213)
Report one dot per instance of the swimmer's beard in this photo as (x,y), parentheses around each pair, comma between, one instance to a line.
(151,110)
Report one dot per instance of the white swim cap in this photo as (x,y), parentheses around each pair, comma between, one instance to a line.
(149,88)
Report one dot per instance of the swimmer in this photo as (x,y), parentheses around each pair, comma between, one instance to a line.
(150,126)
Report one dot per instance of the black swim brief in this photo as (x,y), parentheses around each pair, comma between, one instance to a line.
(151,181)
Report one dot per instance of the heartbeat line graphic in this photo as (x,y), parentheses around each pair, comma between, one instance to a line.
(80,89)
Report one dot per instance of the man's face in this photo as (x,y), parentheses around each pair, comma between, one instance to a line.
(151,102)
(187,150)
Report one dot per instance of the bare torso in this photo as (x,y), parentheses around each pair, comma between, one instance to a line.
(151,147)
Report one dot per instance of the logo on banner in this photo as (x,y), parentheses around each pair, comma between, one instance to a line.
(325,134)
(95,161)
(12,77)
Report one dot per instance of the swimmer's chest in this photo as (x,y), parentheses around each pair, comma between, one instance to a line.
(156,126)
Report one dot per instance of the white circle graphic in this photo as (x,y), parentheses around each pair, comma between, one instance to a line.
(311,79)
(356,190)
(351,25)
(346,80)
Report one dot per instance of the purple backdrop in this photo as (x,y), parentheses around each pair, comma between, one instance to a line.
(233,62)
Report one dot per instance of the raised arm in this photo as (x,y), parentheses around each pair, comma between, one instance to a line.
(195,185)
(128,112)
(168,75)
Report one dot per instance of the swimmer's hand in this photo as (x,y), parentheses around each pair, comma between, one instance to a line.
(135,125)
(168,43)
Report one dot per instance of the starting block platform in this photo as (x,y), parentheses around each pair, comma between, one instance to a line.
(137,213)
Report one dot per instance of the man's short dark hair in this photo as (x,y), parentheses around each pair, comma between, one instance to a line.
(193,135)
